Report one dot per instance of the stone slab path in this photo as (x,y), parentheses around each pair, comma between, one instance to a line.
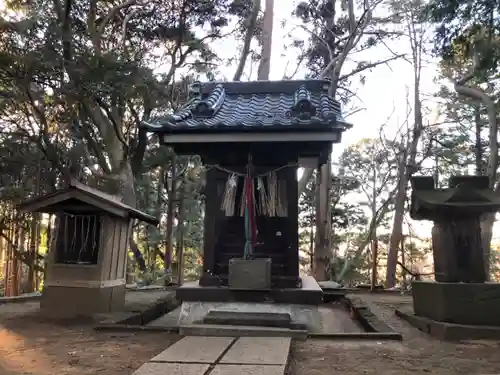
(199,355)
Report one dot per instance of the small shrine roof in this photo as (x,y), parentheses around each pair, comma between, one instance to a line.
(76,195)
(303,105)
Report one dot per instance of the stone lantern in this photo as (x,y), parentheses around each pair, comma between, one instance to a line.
(459,294)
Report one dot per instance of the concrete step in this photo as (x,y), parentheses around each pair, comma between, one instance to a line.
(238,318)
(239,331)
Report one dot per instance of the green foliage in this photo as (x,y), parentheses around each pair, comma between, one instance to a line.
(460,143)
(344,214)
(81,86)
(332,32)
(356,270)
(354,266)
(366,176)
(75,85)
(467,28)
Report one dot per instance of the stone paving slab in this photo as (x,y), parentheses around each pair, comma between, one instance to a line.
(259,351)
(160,368)
(195,349)
(248,370)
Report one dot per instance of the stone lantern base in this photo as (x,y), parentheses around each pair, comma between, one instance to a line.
(459,303)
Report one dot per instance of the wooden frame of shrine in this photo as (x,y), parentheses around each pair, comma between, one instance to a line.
(252,136)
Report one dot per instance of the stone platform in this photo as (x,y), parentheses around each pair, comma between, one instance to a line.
(309,294)
(221,356)
(304,316)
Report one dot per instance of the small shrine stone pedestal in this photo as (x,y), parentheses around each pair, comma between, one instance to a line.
(459,304)
(86,264)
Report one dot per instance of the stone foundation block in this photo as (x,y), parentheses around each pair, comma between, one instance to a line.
(459,303)
(250,274)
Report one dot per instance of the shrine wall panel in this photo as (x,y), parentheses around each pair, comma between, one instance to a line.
(114,248)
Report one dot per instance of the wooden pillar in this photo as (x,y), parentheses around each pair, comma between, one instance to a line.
(209,221)
(290,175)
(213,195)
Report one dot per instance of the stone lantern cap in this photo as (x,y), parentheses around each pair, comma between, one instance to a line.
(464,196)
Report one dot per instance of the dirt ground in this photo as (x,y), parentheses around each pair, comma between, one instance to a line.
(417,354)
(30,346)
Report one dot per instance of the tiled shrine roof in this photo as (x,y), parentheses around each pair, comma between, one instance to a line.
(257,105)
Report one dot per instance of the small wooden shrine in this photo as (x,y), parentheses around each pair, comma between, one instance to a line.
(86,264)
(252,137)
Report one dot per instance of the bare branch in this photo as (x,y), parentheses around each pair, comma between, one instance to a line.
(369,66)
(125,22)
(19,27)
(112,14)
(321,40)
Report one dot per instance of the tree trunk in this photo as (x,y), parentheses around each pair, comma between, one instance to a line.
(487,220)
(311,246)
(403,262)
(22,276)
(160,207)
(267,36)
(322,251)
(479,147)
(50,239)
(407,167)
(16,277)
(374,223)
(3,253)
(179,246)
(8,263)
(147,244)
(250,23)
(304,179)
(397,225)
(128,195)
(33,251)
(374,239)
(374,250)
(408,164)
(172,196)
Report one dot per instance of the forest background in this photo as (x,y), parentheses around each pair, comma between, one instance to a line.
(417,79)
